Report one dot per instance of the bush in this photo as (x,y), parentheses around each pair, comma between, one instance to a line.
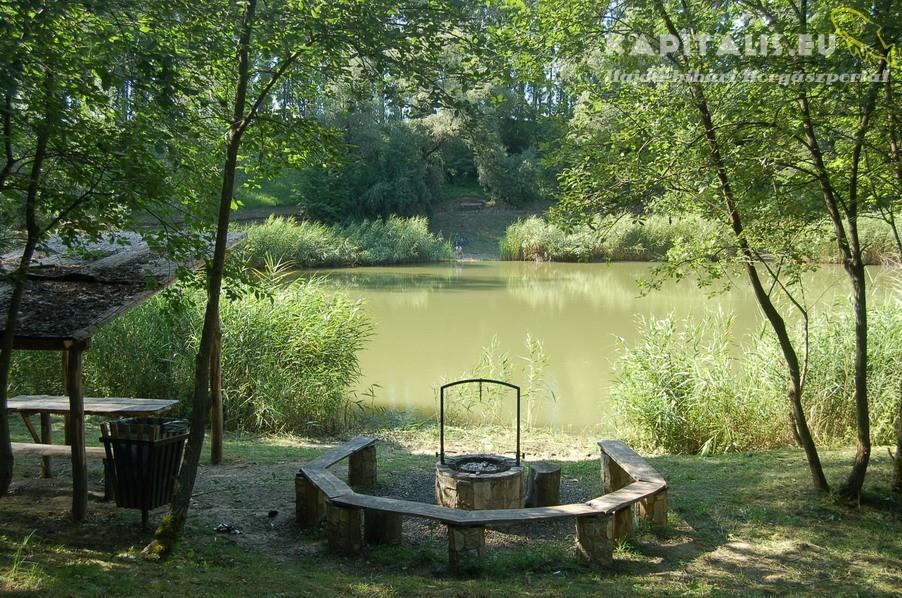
(877,243)
(303,244)
(649,240)
(289,359)
(396,241)
(627,240)
(679,390)
(312,245)
(515,178)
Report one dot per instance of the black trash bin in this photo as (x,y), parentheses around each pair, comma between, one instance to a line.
(143,455)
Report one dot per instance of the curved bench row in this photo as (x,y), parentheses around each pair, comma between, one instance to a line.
(631,488)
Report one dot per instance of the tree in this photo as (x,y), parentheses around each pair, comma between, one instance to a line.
(80,157)
(837,142)
(313,44)
(766,158)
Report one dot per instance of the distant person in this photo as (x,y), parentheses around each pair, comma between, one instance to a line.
(459,243)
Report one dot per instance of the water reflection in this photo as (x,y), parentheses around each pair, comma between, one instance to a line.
(433,321)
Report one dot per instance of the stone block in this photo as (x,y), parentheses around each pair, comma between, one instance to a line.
(362,469)
(345,529)
(465,549)
(594,540)
(310,503)
(654,509)
(381,527)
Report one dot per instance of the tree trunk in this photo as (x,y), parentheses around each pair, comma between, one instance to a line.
(849,246)
(897,468)
(167,534)
(851,488)
(790,357)
(15,302)
(6,350)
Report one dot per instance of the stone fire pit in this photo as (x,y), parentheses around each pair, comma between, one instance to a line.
(478,482)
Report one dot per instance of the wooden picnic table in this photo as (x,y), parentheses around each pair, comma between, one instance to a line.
(47,405)
(118,407)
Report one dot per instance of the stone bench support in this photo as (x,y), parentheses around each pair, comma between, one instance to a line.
(465,549)
(623,523)
(594,541)
(310,506)
(654,509)
(543,486)
(381,527)
(362,469)
(345,527)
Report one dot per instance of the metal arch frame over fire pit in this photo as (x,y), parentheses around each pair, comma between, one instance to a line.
(480,381)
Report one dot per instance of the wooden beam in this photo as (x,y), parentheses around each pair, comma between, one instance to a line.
(46,438)
(77,434)
(26,419)
(25,343)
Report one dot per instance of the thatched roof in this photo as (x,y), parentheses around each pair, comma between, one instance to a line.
(71,295)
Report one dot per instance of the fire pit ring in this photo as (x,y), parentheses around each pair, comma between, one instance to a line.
(479,464)
(479,481)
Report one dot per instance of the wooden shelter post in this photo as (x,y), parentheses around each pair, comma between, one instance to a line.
(77,433)
(46,438)
(66,440)
(216,419)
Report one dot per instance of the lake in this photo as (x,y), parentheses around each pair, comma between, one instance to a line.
(433,321)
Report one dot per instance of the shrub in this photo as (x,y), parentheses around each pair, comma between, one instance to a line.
(679,390)
(627,240)
(649,240)
(313,245)
(289,359)
(303,244)
(877,243)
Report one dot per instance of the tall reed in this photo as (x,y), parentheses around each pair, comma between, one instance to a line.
(691,386)
(366,243)
(289,356)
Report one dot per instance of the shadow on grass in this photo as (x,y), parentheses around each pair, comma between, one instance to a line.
(740,522)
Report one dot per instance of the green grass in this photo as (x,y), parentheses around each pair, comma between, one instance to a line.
(473,189)
(367,243)
(739,523)
(282,190)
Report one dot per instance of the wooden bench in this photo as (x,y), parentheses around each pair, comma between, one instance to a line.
(354,519)
(55,450)
(62,450)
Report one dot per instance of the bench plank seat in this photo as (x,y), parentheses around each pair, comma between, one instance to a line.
(333,456)
(330,485)
(55,450)
(404,507)
(630,462)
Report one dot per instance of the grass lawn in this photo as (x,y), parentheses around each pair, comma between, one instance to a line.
(739,523)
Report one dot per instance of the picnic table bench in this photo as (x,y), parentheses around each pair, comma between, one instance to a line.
(47,405)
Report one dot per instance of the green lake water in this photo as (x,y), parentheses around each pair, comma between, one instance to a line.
(432,323)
